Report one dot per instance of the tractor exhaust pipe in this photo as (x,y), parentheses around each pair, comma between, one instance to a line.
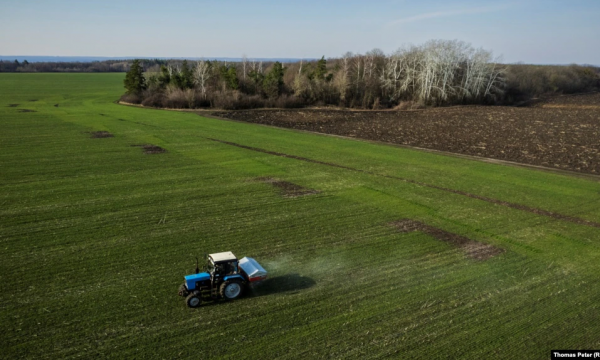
(197,268)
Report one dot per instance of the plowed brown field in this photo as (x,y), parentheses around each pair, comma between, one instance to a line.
(563,132)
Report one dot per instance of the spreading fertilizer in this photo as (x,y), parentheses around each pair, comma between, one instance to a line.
(225,278)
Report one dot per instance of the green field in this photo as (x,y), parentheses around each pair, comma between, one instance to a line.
(96,236)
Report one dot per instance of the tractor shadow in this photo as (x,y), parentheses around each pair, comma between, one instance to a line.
(282,284)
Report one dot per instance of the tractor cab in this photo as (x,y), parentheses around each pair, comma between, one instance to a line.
(221,264)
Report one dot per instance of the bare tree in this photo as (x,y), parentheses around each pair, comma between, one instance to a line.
(244,64)
(357,62)
(201,75)
(170,70)
(342,80)
(390,76)
(441,72)
(371,58)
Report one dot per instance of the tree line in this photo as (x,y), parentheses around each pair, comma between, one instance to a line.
(94,66)
(433,74)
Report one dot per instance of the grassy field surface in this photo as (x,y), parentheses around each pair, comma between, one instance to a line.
(96,236)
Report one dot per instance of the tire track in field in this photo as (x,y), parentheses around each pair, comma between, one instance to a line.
(525,208)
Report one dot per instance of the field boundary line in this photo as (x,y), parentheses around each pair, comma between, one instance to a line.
(210,114)
(582,175)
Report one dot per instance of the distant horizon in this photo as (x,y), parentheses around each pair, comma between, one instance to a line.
(50,58)
(59,58)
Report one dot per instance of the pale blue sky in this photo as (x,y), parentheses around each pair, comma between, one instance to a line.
(532,31)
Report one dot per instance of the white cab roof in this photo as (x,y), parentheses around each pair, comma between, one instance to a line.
(222,256)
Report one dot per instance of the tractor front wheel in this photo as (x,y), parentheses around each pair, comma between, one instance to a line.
(194,299)
(231,289)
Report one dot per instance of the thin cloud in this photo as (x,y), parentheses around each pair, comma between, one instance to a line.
(439,14)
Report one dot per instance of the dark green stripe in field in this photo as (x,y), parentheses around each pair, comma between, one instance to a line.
(95,237)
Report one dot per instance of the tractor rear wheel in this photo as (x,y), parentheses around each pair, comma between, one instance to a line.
(183,291)
(194,299)
(231,289)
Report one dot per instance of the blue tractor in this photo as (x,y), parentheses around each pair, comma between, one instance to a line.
(225,278)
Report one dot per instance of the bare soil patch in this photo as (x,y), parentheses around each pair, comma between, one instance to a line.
(100,134)
(151,149)
(473,249)
(26,111)
(561,133)
(13,105)
(288,189)
(536,211)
